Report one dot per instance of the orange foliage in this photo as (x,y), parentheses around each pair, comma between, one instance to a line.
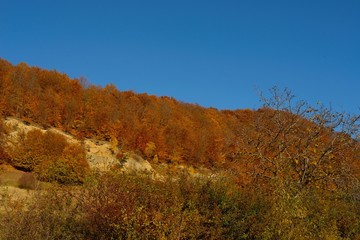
(49,156)
(3,132)
(182,133)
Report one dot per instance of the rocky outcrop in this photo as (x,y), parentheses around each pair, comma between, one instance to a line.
(101,155)
(134,162)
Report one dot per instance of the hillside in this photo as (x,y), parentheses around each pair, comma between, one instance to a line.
(160,129)
(179,132)
(271,172)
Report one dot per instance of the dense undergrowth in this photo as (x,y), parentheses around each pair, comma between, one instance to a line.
(116,205)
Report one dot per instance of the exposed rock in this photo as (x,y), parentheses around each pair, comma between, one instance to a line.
(101,155)
(17,126)
(134,162)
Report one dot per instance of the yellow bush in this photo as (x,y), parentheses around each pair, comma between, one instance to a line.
(50,157)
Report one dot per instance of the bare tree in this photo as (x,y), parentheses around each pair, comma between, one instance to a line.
(296,145)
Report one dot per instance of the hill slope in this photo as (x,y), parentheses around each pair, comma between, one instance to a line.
(298,142)
(288,171)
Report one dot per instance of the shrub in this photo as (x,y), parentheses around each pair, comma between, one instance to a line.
(4,157)
(50,157)
(49,214)
(68,168)
(27,181)
(127,206)
(117,205)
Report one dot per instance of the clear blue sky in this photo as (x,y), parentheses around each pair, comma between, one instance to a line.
(217,53)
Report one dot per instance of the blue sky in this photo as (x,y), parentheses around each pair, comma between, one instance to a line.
(214,53)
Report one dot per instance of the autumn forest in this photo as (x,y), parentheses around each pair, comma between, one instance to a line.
(288,170)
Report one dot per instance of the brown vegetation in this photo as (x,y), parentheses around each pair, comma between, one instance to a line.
(115,205)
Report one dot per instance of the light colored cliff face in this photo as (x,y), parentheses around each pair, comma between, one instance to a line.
(134,162)
(17,126)
(101,155)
